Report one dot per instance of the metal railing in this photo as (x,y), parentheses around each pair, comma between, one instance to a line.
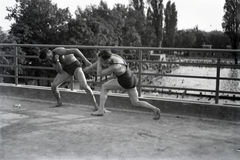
(217,64)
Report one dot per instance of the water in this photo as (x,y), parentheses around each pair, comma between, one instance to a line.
(207,84)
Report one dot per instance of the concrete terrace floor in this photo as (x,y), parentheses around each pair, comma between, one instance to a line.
(36,132)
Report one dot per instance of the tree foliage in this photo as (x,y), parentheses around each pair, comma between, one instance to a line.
(6,60)
(137,24)
(218,39)
(155,14)
(231,21)
(38,22)
(231,24)
(170,24)
(185,39)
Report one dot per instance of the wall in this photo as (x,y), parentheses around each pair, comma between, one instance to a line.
(119,101)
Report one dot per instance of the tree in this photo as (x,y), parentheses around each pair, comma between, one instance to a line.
(149,36)
(121,15)
(231,23)
(140,23)
(38,22)
(104,23)
(138,5)
(4,59)
(185,39)
(155,14)
(201,37)
(170,24)
(218,39)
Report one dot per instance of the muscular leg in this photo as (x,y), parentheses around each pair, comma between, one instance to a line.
(83,84)
(133,95)
(59,79)
(111,84)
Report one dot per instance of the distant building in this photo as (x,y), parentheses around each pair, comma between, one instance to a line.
(157,57)
(209,54)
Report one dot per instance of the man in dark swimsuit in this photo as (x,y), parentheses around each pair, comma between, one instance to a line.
(125,80)
(66,64)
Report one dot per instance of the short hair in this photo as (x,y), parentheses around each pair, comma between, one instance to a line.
(105,54)
(43,53)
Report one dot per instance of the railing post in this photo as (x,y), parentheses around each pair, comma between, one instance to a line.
(72,82)
(218,78)
(16,66)
(140,74)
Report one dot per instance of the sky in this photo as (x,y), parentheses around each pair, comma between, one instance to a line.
(206,14)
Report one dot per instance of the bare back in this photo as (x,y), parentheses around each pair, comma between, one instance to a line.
(119,64)
(64,57)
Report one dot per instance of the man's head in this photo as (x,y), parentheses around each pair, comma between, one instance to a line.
(45,54)
(105,54)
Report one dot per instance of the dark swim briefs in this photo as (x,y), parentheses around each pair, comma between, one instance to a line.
(127,80)
(70,68)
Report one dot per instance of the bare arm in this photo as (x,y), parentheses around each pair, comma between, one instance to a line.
(104,72)
(91,67)
(75,51)
(57,66)
(78,53)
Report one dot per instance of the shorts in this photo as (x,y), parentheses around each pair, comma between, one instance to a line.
(70,68)
(127,80)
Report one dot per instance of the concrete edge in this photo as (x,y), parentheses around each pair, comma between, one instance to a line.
(122,102)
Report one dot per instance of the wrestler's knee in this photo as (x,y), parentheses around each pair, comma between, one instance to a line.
(104,86)
(84,86)
(135,103)
(54,85)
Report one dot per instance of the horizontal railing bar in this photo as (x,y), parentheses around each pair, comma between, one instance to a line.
(36,67)
(144,61)
(7,75)
(176,88)
(173,75)
(31,67)
(30,77)
(229,92)
(189,89)
(227,78)
(26,77)
(121,47)
(151,74)
(23,56)
(5,65)
(230,65)
(160,62)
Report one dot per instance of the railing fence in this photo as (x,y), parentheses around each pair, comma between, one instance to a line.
(140,62)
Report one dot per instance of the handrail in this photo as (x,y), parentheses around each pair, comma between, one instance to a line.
(218,64)
(120,47)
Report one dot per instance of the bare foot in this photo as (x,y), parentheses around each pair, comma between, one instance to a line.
(157,114)
(95,109)
(97,113)
(57,105)
(107,111)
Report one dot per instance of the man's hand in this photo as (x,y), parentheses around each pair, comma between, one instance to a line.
(56,57)
(87,69)
(87,63)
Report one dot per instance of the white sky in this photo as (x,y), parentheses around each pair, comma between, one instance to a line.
(206,14)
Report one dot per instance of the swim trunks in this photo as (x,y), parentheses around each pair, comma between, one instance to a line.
(70,68)
(127,80)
